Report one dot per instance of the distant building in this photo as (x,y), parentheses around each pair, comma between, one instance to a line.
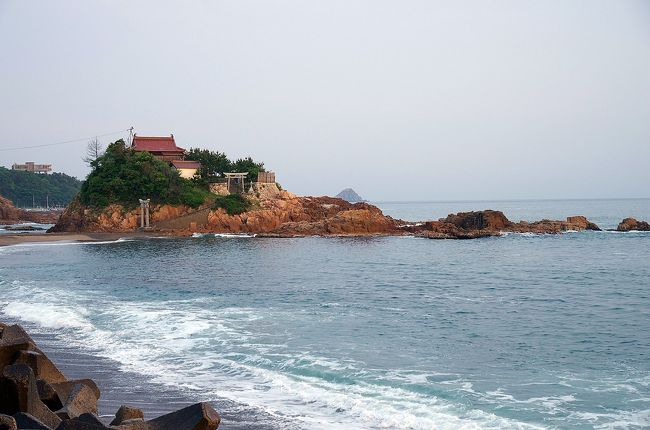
(164,148)
(29,166)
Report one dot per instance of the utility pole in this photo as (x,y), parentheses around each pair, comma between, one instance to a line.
(33,201)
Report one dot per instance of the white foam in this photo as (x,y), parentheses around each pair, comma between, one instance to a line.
(69,243)
(224,235)
(234,235)
(209,352)
(47,315)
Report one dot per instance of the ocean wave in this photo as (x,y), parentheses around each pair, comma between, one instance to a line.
(224,235)
(69,243)
(207,353)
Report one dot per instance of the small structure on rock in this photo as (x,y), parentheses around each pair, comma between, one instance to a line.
(144,213)
(266,178)
(235,182)
(164,148)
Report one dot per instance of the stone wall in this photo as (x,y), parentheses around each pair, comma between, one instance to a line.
(219,189)
(265,191)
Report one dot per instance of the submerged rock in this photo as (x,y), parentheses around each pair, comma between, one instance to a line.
(473,225)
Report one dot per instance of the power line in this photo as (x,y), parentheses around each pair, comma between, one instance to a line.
(66,141)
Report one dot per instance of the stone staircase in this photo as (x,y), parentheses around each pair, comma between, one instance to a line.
(197,218)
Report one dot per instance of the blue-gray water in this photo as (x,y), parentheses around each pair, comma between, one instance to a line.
(520,331)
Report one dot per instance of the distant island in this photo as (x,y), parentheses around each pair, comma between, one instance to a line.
(349,195)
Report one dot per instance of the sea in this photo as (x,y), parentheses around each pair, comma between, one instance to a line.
(521,331)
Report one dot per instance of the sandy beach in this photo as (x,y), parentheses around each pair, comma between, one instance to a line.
(16,239)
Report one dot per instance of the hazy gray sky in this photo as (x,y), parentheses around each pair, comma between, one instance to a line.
(401,100)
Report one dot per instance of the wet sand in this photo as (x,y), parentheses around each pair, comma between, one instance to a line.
(16,239)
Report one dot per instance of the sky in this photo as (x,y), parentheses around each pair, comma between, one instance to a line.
(400,100)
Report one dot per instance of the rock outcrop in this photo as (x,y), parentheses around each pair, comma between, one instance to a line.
(34,394)
(473,225)
(9,214)
(114,218)
(305,216)
(631,224)
(274,213)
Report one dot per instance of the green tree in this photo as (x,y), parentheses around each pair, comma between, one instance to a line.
(213,163)
(24,188)
(249,166)
(123,176)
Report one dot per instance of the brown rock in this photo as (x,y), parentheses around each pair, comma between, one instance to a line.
(91,418)
(64,389)
(480,220)
(444,230)
(125,413)
(18,393)
(48,395)
(79,425)
(41,365)
(133,424)
(8,212)
(629,224)
(80,400)
(581,223)
(27,421)
(200,416)
(7,423)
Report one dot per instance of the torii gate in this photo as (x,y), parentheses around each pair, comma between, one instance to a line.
(144,213)
(236,175)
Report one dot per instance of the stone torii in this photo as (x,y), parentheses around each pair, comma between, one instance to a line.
(239,176)
(144,213)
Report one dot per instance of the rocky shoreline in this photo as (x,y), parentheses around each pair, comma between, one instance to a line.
(34,394)
(276,213)
(9,214)
(282,214)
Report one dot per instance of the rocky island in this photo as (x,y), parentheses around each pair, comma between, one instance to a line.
(349,195)
(282,214)
(240,197)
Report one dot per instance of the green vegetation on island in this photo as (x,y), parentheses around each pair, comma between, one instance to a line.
(233,204)
(214,164)
(123,176)
(25,189)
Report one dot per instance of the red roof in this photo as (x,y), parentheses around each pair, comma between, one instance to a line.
(182,164)
(156,144)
